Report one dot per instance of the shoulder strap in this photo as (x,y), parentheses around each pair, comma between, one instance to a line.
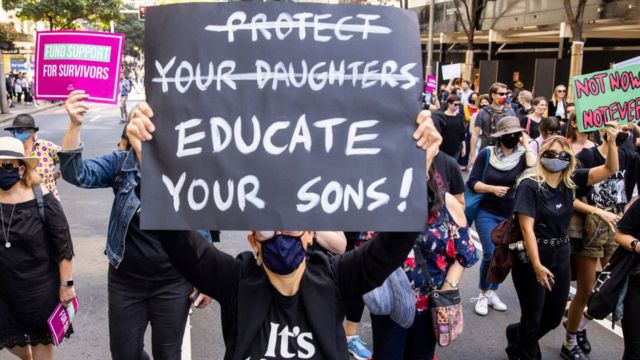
(486,162)
(417,253)
(528,125)
(37,191)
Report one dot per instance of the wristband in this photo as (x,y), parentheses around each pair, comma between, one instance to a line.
(68,283)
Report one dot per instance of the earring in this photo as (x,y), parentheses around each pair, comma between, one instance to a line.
(258,261)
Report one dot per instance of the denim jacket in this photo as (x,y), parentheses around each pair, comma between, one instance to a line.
(102,172)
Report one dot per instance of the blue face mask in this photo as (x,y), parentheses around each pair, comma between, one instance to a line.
(282,254)
(21,134)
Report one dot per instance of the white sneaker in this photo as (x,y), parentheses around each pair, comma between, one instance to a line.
(482,304)
(495,302)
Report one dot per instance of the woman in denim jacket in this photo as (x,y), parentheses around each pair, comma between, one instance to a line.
(143,286)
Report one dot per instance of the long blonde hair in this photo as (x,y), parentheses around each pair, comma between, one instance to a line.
(540,174)
(554,98)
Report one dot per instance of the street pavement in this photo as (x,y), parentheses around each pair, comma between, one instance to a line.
(88,213)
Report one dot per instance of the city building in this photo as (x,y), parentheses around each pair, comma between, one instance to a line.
(530,40)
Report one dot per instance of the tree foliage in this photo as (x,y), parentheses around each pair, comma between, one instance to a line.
(134,32)
(67,14)
(8,35)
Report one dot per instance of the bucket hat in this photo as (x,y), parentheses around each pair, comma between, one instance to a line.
(507,125)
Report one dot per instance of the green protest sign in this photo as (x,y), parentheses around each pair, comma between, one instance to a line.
(605,96)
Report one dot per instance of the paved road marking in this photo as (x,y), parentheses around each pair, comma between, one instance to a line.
(95,118)
(606,323)
(186,340)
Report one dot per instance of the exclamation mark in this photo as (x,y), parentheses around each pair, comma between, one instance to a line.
(407,178)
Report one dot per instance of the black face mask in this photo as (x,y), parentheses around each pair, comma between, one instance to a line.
(510,141)
(9,178)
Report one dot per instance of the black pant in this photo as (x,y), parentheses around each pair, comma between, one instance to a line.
(134,303)
(393,342)
(631,320)
(541,310)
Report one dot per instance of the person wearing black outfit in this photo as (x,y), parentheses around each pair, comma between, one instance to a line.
(275,301)
(35,256)
(450,123)
(143,286)
(544,202)
(558,104)
(628,236)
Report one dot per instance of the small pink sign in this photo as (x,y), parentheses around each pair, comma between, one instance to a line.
(78,60)
(61,319)
(430,84)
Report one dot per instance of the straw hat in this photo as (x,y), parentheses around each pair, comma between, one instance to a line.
(12,149)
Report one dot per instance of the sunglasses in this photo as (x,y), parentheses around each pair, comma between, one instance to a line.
(562,155)
(456,104)
(502,93)
(562,91)
(8,166)
(19,131)
(262,235)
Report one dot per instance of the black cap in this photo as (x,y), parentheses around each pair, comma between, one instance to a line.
(23,121)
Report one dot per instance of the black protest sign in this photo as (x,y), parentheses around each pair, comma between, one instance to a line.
(283,116)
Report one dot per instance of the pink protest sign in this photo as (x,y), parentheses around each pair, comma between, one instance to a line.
(78,60)
(430,84)
(61,319)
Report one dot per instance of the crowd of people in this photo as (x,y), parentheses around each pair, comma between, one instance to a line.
(19,88)
(568,192)
(302,293)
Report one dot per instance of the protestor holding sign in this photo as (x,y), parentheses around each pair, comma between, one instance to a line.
(36,255)
(143,285)
(275,304)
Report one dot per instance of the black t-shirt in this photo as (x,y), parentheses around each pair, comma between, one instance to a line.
(618,188)
(534,130)
(144,256)
(550,207)
(501,206)
(448,174)
(285,333)
(630,225)
(452,129)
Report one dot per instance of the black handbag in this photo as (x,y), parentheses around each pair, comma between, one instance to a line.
(445,305)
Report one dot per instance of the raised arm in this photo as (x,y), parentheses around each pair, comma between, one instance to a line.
(611,164)
(76,110)
(365,268)
(210,270)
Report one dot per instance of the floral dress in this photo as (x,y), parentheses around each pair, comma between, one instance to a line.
(443,243)
(47,154)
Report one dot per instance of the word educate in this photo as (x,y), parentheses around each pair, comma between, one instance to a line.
(285,24)
(359,74)
(329,196)
(75,70)
(221,135)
